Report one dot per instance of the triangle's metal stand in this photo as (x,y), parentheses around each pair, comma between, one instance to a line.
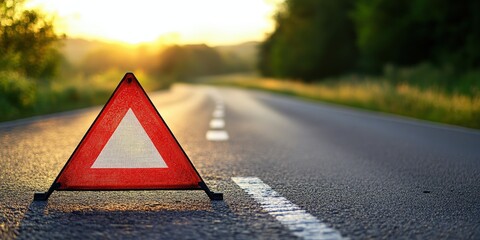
(214,196)
(43,196)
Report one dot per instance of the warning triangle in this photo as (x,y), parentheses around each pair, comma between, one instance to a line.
(129,147)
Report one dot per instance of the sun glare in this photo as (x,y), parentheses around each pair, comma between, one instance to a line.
(181,21)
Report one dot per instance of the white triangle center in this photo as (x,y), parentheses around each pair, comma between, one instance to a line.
(129,147)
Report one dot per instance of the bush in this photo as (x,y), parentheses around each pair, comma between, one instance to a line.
(428,76)
(17,94)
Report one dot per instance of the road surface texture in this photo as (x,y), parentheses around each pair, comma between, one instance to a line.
(362,174)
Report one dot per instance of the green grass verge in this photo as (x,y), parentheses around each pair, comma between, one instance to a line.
(21,97)
(370,93)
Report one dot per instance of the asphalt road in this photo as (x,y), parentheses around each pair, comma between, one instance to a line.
(363,174)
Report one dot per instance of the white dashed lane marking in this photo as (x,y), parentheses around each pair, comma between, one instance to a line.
(217,123)
(217,135)
(218,113)
(298,221)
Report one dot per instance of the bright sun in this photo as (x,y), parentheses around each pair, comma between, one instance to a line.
(182,21)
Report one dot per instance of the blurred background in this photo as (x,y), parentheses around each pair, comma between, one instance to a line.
(418,58)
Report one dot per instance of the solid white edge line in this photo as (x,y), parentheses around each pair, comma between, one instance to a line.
(298,221)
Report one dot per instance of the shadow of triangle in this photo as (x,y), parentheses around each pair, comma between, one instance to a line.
(162,220)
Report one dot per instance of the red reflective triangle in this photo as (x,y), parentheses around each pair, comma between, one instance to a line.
(128,146)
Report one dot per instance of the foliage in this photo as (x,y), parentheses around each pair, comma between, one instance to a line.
(167,63)
(313,39)
(17,93)
(104,59)
(427,76)
(410,32)
(185,62)
(27,54)
(27,41)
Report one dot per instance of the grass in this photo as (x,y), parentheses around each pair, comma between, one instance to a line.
(21,97)
(371,93)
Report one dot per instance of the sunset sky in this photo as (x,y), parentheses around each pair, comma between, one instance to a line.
(214,22)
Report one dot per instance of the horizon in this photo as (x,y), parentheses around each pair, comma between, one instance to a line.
(156,44)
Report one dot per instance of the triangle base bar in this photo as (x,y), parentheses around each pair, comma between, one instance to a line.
(43,196)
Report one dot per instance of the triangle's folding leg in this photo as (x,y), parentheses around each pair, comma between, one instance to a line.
(212,195)
(43,196)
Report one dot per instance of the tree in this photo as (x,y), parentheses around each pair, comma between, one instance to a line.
(27,41)
(313,39)
(410,32)
(189,61)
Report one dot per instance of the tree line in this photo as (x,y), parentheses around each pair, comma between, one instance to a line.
(186,62)
(316,39)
